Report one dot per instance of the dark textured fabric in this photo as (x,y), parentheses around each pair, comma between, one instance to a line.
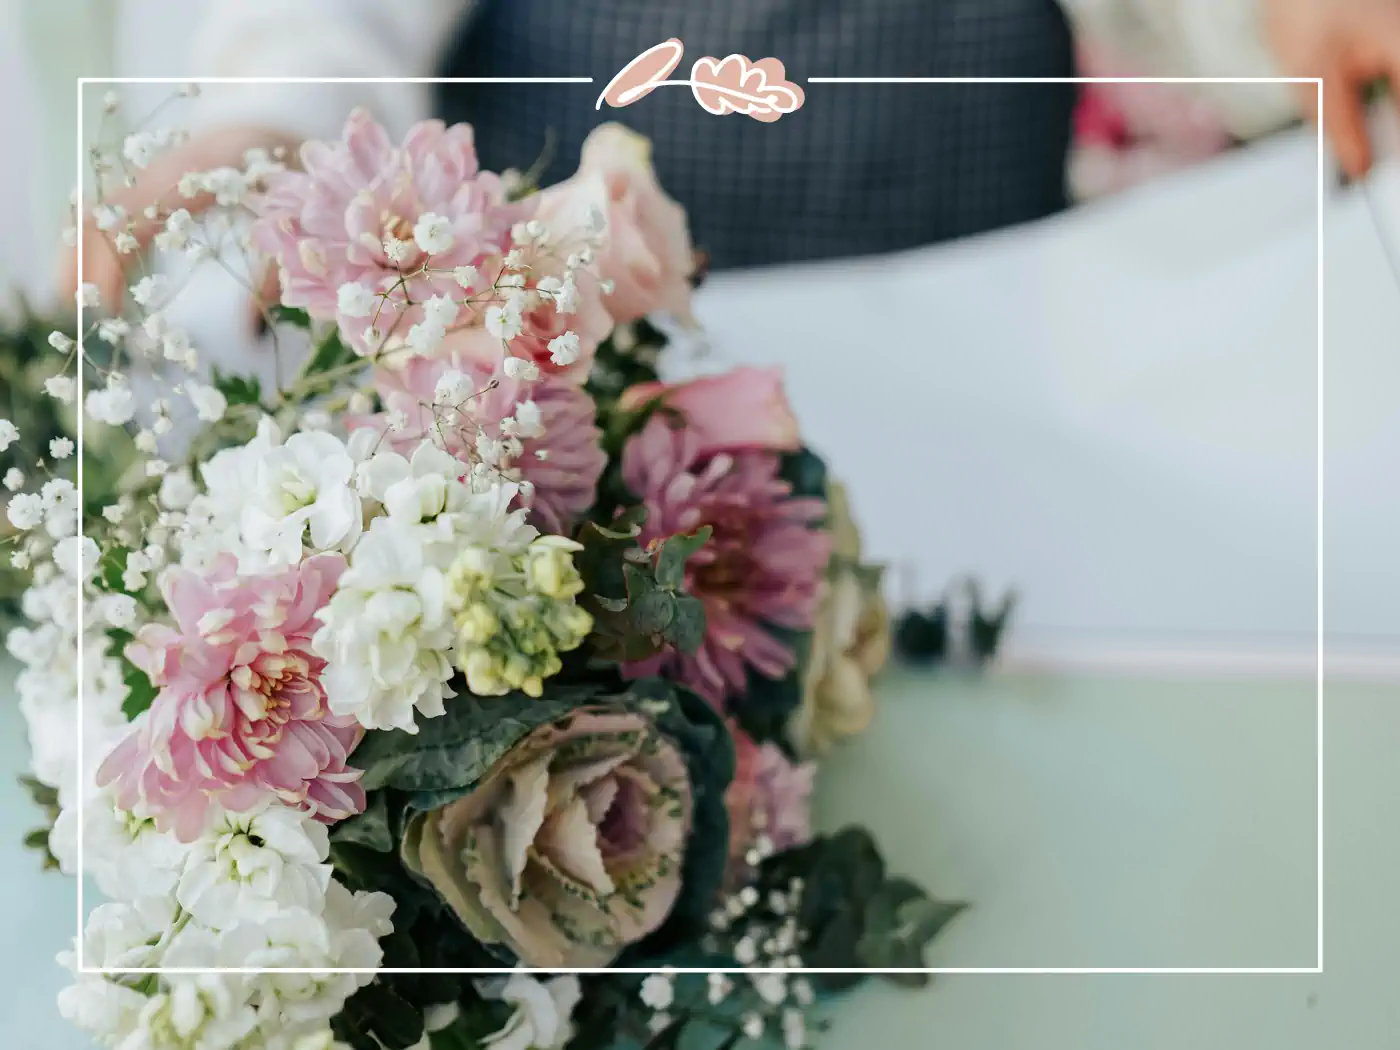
(861,168)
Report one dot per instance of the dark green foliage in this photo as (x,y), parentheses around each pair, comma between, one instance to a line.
(856,917)
(291,315)
(637,595)
(238,389)
(46,798)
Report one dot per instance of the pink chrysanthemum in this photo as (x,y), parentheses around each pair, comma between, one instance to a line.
(327,225)
(565,482)
(241,713)
(762,566)
(768,796)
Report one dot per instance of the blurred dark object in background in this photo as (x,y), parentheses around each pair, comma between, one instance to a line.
(944,633)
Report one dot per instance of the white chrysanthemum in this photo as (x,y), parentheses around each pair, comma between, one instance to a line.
(542,1011)
(126,855)
(253,866)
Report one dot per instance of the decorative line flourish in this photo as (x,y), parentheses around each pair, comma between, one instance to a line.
(733,84)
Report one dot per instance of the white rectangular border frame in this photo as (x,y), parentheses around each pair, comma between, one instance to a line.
(1020,970)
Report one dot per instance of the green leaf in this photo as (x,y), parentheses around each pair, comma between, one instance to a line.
(330,353)
(369,829)
(453,752)
(805,471)
(769,703)
(675,552)
(140,693)
(291,315)
(41,794)
(900,920)
(687,628)
(396,1022)
(238,389)
(653,612)
(110,568)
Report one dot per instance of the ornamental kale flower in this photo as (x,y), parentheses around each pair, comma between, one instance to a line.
(363,213)
(763,565)
(241,715)
(570,847)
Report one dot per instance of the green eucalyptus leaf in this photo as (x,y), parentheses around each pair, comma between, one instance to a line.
(686,631)
(675,552)
(653,612)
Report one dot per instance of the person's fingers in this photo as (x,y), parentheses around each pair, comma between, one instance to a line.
(1344,113)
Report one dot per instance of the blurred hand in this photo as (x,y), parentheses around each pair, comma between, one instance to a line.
(156,185)
(1350,44)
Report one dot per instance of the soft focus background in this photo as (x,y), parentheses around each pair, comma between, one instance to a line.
(1115,411)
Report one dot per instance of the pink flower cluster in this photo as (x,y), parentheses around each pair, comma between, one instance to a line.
(768,796)
(327,225)
(766,558)
(241,714)
(565,480)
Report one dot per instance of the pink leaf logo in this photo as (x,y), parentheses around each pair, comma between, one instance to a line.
(643,75)
(722,86)
(735,85)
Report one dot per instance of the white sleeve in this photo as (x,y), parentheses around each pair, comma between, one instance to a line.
(1195,38)
(320,38)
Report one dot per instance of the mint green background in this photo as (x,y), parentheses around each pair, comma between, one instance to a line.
(1092,822)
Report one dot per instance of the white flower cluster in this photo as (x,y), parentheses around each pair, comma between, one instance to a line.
(388,634)
(271,501)
(255,893)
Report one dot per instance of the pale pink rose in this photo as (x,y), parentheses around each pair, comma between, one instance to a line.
(768,796)
(744,409)
(326,225)
(647,252)
(241,714)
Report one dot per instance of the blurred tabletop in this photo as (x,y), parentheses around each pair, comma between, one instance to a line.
(1091,821)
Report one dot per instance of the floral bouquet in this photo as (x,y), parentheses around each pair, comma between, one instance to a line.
(473,647)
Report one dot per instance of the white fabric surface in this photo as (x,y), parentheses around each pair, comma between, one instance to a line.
(1116,410)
